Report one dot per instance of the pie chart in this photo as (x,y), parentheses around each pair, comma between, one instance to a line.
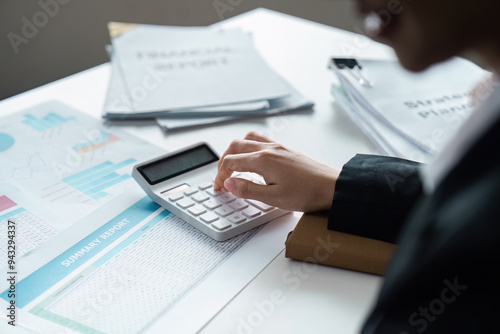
(6,142)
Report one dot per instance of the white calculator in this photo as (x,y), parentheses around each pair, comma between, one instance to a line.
(182,183)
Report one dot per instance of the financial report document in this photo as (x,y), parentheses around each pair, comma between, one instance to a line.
(133,267)
(90,252)
(57,166)
(36,225)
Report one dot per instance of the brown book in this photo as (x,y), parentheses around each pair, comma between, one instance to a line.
(312,241)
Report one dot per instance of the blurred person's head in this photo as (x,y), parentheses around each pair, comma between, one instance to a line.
(423,32)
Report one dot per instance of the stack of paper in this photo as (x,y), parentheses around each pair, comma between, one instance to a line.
(186,76)
(408,115)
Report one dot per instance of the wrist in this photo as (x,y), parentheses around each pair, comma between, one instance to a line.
(323,197)
(330,188)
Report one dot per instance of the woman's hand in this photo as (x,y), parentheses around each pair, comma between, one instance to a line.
(293,181)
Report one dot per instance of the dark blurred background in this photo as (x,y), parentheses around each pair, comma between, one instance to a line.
(44,40)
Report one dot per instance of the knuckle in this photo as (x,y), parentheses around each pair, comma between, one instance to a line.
(278,146)
(251,134)
(235,143)
(225,163)
(262,155)
(267,153)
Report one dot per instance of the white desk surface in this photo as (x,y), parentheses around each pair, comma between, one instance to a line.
(314,299)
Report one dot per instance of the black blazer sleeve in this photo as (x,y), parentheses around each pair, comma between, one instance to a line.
(374,195)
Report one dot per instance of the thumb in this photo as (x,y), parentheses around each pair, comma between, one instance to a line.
(246,189)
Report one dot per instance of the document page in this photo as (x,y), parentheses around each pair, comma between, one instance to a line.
(138,269)
(425,108)
(36,225)
(168,68)
(66,161)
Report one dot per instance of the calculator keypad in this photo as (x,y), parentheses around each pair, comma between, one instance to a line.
(259,205)
(224,211)
(176,196)
(239,204)
(236,218)
(251,212)
(185,203)
(200,197)
(190,191)
(212,204)
(197,210)
(221,225)
(219,209)
(209,217)
(226,197)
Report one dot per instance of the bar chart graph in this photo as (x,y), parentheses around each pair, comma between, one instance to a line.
(101,140)
(47,122)
(95,180)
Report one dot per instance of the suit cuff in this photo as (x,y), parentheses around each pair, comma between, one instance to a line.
(374,195)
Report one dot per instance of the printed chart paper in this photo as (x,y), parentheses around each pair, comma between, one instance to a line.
(66,160)
(35,224)
(141,267)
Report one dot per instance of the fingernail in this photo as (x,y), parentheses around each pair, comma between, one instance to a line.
(229,185)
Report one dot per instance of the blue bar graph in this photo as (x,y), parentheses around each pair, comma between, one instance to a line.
(107,184)
(93,181)
(35,125)
(101,173)
(47,122)
(100,195)
(87,172)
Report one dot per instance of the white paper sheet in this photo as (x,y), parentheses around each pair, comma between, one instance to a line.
(119,100)
(144,270)
(294,102)
(167,68)
(66,161)
(424,109)
(428,107)
(34,224)
(387,141)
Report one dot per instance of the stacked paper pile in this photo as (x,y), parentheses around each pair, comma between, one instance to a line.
(189,76)
(408,115)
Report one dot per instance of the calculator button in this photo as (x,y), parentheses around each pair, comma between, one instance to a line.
(239,204)
(221,225)
(190,191)
(261,206)
(185,203)
(236,218)
(209,217)
(200,197)
(212,204)
(213,192)
(205,185)
(176,196)
(224,211)
(197,210)
(227,197)
(251,212)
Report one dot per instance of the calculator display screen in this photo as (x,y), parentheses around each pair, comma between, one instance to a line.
(171,166)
